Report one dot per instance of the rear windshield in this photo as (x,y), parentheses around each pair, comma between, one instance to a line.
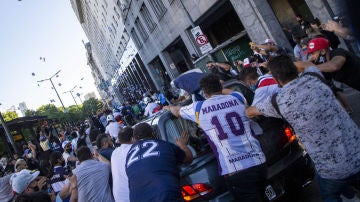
(197,140)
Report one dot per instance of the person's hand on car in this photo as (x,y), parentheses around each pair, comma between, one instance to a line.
(183,139)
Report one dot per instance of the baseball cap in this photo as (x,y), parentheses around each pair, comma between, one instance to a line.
(21,180)
(65,143)
(317,44)
(109,118)
(269,41)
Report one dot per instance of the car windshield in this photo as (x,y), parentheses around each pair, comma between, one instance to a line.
(197,140)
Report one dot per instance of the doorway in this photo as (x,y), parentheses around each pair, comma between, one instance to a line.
(180,55)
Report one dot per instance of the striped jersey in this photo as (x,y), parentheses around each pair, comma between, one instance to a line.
(265,87)
(228,131)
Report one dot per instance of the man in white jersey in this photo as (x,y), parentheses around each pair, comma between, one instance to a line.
(118,161)
(222,117)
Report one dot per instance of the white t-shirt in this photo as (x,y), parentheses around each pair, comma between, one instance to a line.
(113,129)
(150,108)
(229,132)
(119,177)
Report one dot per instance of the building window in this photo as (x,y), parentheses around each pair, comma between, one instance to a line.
(144,35)
(147,17)
(158,7)
(136,39)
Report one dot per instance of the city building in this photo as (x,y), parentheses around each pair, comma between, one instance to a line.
(23,108)
(167,33)
(136,46)
(95,21)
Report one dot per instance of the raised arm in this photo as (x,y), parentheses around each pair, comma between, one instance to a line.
(252,112)
(224,66)
(182,143)
(175,110)
(333,65)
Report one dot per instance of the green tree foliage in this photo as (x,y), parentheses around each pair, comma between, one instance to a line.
(9,115)
(30,112)
(72,113)
(49,110)
(92,105)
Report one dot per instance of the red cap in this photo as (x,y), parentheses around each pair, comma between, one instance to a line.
(317,44)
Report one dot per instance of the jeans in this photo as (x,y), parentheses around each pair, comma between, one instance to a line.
(248,185)
(331,189)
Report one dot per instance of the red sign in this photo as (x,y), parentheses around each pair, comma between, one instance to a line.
(201,40)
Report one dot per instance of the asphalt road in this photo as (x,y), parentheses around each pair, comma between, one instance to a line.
(311,193)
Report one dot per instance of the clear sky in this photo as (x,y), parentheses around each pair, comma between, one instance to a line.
(30,29)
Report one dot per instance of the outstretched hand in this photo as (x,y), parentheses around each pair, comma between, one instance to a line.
(183,139)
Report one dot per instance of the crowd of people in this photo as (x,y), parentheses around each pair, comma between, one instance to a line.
(108,160)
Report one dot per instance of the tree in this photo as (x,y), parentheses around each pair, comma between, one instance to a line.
(9,115)
(30,112)
(49,110)
(92,105)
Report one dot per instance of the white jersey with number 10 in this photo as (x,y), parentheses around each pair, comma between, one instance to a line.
(228,131)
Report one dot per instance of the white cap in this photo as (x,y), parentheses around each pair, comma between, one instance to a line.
(65,143)
(147,100)
(21,180)
(269,41)
(109,118)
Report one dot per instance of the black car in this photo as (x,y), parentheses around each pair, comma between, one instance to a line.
(289,166)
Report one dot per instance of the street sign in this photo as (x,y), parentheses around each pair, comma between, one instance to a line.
(201,40)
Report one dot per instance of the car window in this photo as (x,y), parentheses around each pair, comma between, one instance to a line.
(197,140)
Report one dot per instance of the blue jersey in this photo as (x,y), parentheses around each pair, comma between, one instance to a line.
(153,172)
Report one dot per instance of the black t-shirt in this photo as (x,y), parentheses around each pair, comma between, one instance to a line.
(350,71)
(222,73)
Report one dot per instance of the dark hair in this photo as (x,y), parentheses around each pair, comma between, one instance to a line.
(125,134)
(83,153)
(74,134)
(209,62)
(282,68)
(210,84)
(54,157)
(142,130)
(94,132)
(316,21)
(100,139)
(249,72)
(34,197)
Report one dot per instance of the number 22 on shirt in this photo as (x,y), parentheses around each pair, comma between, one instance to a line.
(142,151)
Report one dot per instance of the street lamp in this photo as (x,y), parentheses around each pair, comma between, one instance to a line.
(49,79)
(7,133)
(71,91)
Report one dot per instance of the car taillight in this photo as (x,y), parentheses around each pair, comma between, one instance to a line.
(289,134)
(191,192)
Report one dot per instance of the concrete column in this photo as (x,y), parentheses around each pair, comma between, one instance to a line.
(260,21)
(166,60)
(318,9)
